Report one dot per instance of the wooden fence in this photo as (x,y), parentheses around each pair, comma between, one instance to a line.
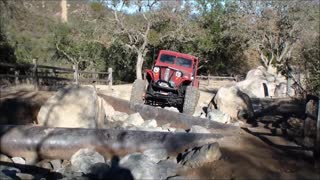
(220,78)
(39,74)
(313,115)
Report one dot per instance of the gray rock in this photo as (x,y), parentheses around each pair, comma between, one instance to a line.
(83,159)
(196,157)
(32,160)
(142,167)
(230,100)
(18,160)
(280,90)
(150,124)
(25,176)
(120,116)
(156,155)
(56,164)
(168,168)
(198,129)
(8,173)
(135,119)
(254,88)
(5,158)
(218,116)
(173,109)
(74,106)
(44,164)
(254,73)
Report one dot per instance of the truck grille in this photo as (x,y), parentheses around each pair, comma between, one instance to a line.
(166,74)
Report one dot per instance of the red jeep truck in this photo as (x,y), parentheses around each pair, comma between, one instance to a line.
(172,81)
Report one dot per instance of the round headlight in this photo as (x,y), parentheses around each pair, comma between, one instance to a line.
(178,74)
(156,69)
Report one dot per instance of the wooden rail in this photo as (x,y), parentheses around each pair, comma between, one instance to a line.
(219,78)
(36,74)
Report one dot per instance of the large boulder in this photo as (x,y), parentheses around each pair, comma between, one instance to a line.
(255,87)
(84,159)
(198,156)
(75,106)
(230,100)
(218,116)
(254,73)
(156,155)
(142,167)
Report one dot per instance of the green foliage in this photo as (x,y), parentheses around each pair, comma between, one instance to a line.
(71,47)
(216,35)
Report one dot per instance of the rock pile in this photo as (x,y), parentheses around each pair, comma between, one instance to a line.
(232,102)
(89,164)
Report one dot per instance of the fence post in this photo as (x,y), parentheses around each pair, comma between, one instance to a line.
(16,77)
(110,77)
(317,145)
(75,73)
(35,75)
(94,75)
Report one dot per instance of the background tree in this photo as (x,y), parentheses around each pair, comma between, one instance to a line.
(64,11)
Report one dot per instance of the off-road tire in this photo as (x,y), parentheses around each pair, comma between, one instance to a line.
(190,100)
(137,92)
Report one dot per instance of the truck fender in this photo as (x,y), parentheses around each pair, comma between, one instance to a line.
(149,75)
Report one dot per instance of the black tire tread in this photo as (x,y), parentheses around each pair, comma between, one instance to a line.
(137,92)
(191,100)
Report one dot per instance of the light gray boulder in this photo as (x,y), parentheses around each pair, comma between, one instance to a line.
(18,160)
(156,155)
(168,168)
(119,116)
(56,164)
(75,106)
(256,73)
(254,87)
(199,129)
(150,124)
(44,164)
(83,159)
(5,158)
(135,119)
(196,157)
(218,116)
(233,102)
(142,167)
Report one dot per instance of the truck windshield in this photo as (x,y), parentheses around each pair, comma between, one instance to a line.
(165,58)
(184,62)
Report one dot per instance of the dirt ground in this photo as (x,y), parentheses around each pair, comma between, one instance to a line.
(262,152)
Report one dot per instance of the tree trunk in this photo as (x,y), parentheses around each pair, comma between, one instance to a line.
(64,11)
(139,64)
(271,69)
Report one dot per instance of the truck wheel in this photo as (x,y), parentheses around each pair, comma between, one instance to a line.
(190,100)
(137,92)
